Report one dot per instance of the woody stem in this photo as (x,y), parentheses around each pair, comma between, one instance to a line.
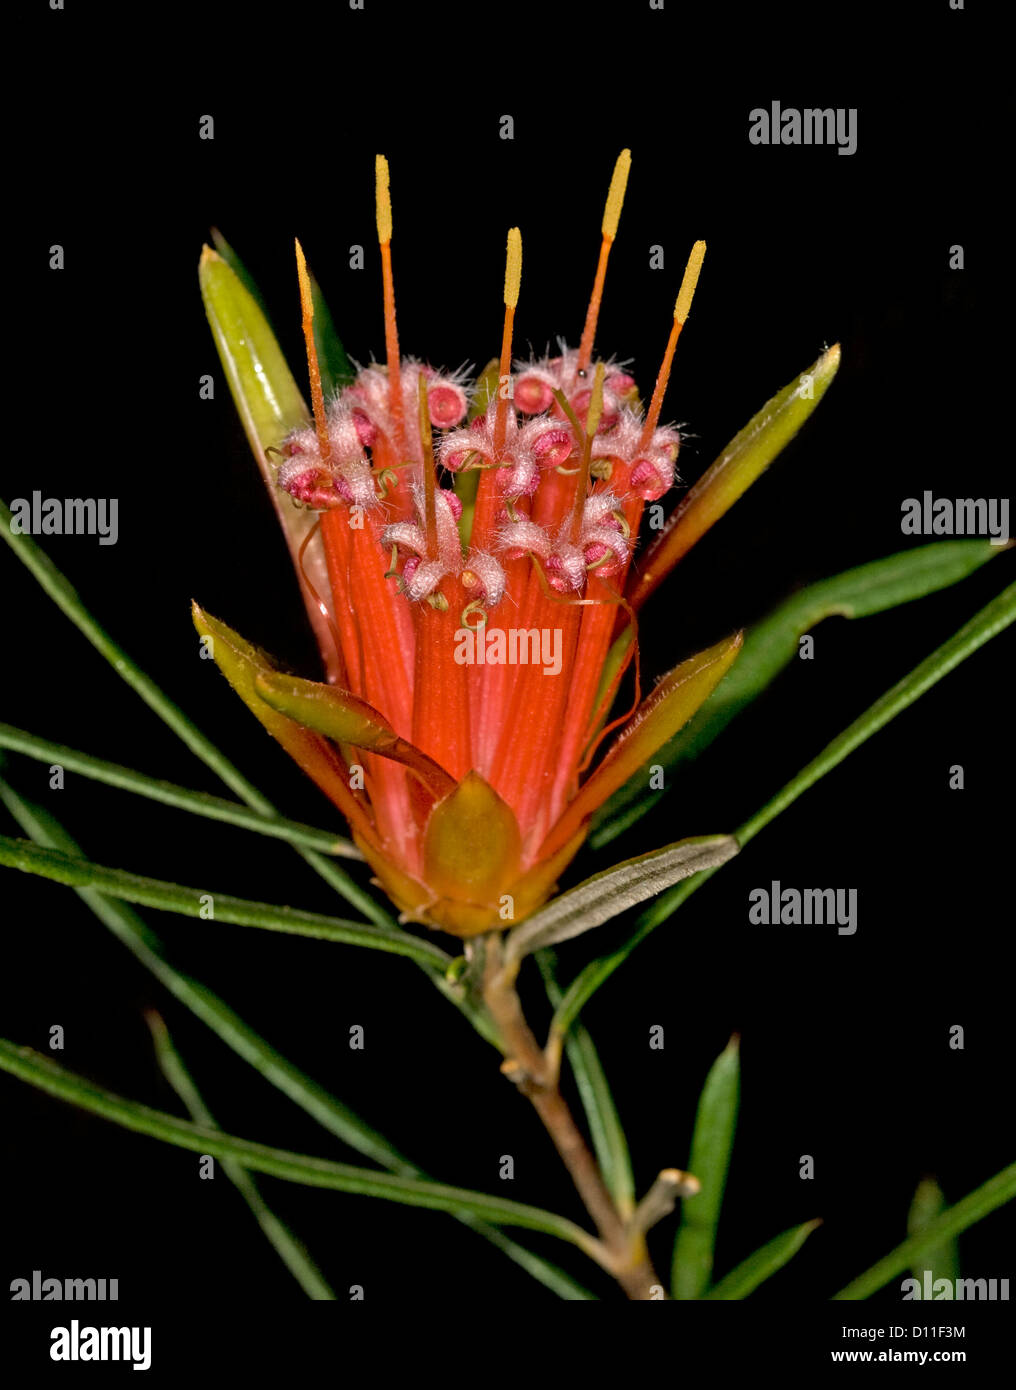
(624,1250)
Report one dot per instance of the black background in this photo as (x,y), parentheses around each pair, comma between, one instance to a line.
(845,1039)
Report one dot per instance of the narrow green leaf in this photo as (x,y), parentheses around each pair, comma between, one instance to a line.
(712,1141)
(609,1142)
(40,1071)
(988,623)
(772,644)
(169,794)
(973,1208)
(336,369)
(614,890)
(745,458)
(766,1261)
(198,902)
(56,587)
(943,1261)
(290,1251)
(312,1098)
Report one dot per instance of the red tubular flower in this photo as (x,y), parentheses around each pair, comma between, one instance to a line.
(475,635)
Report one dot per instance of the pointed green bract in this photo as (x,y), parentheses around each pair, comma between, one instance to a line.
(346,719)
(243,664)
(770,645)
(712,1142)
(240,271)
(747,456)
(266,397)
(270,406)
(768,1260)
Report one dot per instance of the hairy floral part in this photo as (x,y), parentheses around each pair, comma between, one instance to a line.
(370,398)
(526,449)
(601,543)
(345,477)
(535,383)
(647,470)
(427,564)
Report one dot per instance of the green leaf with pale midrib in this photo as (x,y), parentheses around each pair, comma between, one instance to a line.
(613,891)
(193,902)
(768,1260)
(46,1075)
(712,1142)
(770,645)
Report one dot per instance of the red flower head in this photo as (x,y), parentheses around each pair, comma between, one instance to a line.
(470,577)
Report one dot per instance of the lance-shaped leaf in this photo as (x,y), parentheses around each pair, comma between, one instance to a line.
(611,892)
(270,406)
(349,720)
(768,1260)
(715,1122)
(747,456)
(241,664)
(656,720)
(771,644)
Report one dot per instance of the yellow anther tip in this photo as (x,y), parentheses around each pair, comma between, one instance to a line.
(383,199)
(691,275)
(615,195)
(513,269)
